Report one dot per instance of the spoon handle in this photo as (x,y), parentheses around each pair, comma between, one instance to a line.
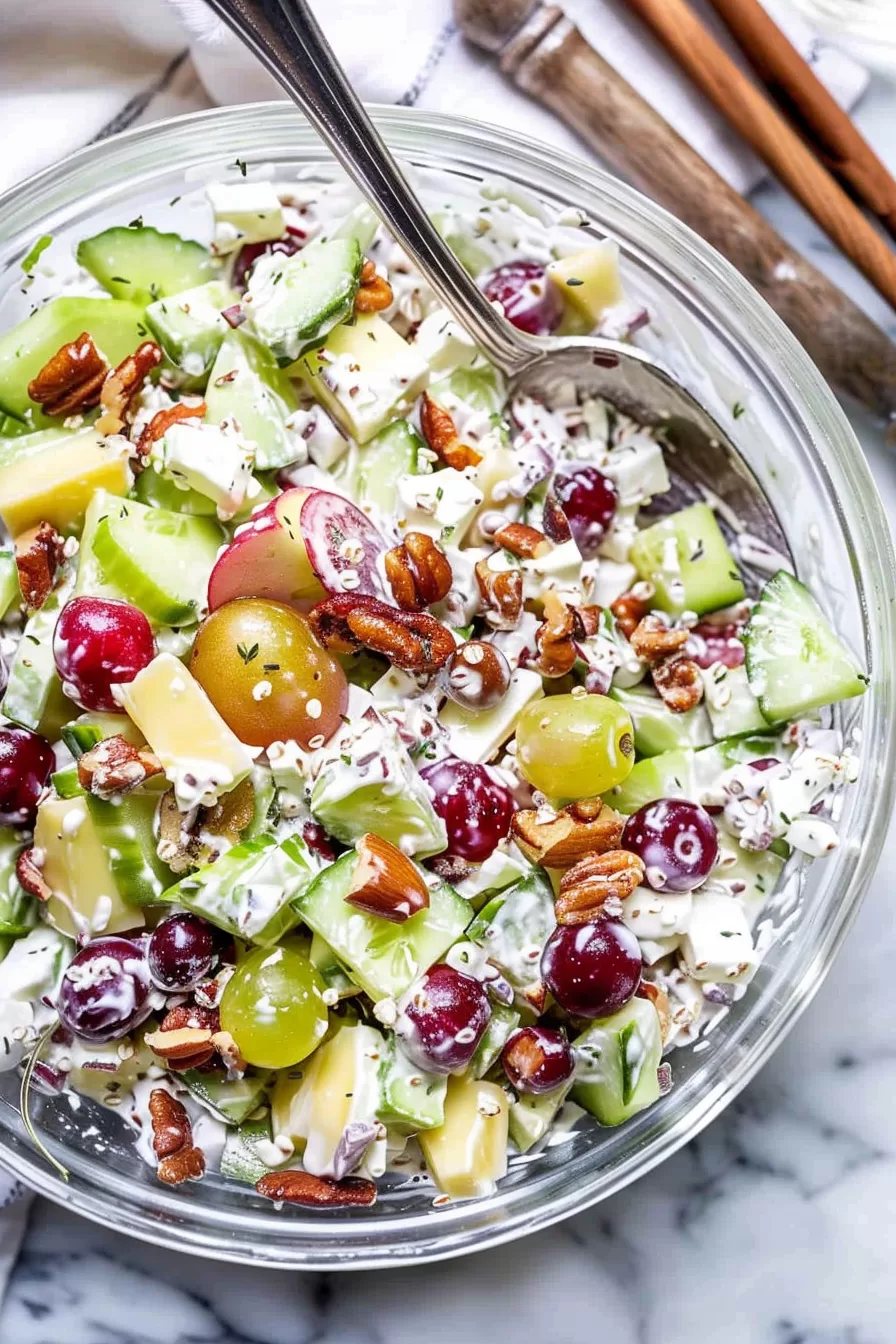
(285,36)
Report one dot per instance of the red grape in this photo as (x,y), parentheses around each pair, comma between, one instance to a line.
(26,762)
(293,241)
(538,1059)
(99,642)
(442,1020)
(105,990)
(592,969)
(588,499)
(708,644)
(530,299)
(180,952)
(475,807)
(677,841)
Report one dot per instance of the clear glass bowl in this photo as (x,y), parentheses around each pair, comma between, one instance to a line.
(719,336)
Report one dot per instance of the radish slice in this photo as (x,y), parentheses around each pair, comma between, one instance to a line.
(342,543)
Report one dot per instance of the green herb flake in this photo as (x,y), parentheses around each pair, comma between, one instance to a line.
(30,261)
(738,409)
(136,223)
(241,164)
(174,200)
(247,654)
(574,283)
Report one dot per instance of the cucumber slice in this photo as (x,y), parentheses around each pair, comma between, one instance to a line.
(66,782)
(333,973)
(247,384)
(294,301)
(390,454)
(384,958)
(141,264)
(795,662)
(501,1025)
(160,560)
(10,594)
(730,703)
(410,1099)
(240,1159)
(514,927)
(457,233)
(189,326)
(230,1100)
(616,1063)
(657,729)
(126,829)
(532,1116)
(360,224)
(688,561)
(115,327)
(32,678)
(18,909)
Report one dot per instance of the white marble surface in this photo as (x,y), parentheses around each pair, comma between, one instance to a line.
(773,1227)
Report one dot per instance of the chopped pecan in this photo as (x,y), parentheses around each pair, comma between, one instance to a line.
(477,675)
(501,591)
(418,571)
(660,1000)
(39,553)
(412,640)
(653,640)
(631,607)
(374,292)
(316,1192)
(123,383)
(590,883)
(30,876)
(187,1165)
(72,380)
(171,1128)
(385,883)
(679,683)
(439,432)
(555,638)
(115,766)
(193,1015)
(163,420)
(587,621)
(229,1052)
(562,840)
(522,540)
(554,520)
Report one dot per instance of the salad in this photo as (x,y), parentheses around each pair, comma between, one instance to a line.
(391,777)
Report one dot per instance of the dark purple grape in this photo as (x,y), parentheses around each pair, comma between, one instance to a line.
(26,763)
(677,841)
(538,1059)
(180,952)
(292,241)
(592,969)
(475,806)
(588,499)
(709,644)
(530,299)
(105,990)
(443,1020)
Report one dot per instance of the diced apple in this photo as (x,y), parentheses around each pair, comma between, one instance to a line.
(344,1090)
(589,280)
(56,485)
(467,1155)
(76,867)
(267,558)
(364,374)
(245,212)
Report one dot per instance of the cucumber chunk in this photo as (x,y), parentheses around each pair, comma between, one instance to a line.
(189,326)
(410,1099)
(333,973)
(66,783)
(389,455)
(247,384)
(795,661)
(531,1116)
(361,224)
(33,678)
(228,1099)
(616,1063)
(126,829)
(480,389)
(18,909)
(514,927)
(501,1026)
(294,301)
(730,703)
(240,1160)
(159,560)
(141,264)
(9,583)
(688,561)
(657,729)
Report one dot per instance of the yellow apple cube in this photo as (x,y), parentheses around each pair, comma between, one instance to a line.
(467,1155)
(589,280)
(364,374)
(58,483)
(76,867)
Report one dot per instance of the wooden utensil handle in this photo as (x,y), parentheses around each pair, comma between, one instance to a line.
(550,59)
(796,87)
(750,113)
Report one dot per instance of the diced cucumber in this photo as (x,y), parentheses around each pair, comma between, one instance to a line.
(141,264)
(410,1099)
(9,583)
(126,829)
(482,389)
(458,235)
(81,736)
(114,326)
(730,703)
(57,484)
(332,971)
(295,301)
(361,224)
(78,869)
(513,928)
(669,775)
(240,1160)
(91,580)
(531,1116)
(501,1025)
(795,661)
(616,1063)
(189,326)
(18,909)
(390,454)
(384,958)
(688,561)
(160,560)
(657,729)
(228,1099)
(247,384)
(751,878)
(33,678)
(66,782)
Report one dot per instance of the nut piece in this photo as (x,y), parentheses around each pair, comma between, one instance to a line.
(189,839)
(72,380)
(187,1165)
(587,621)
(653,640)
(162,422)
(229,1052)
(555,638)
(660,1000)
(115,766)
(554,520)
(439,432)
(123,383)
(562,840)
(477,675)
(385,883)
(30,876)
(182,1043)
(185,1038)
(679,683)
(586,887)
(171,1128)
(39,553)
(631,607)
(526,542)
(316,1192)
(418,571)
(412,640)
(502,595)
(374,293)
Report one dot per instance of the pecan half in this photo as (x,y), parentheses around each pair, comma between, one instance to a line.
(501,591)
(477,675)
(72,380)
(555,638)
(522,540)
(554,520)
(412,640)
(587,621)
(30,876)
(171,1128)
(187,1165)
(162,422)
(123,383)
(439,432)
(589,884)
(374,292)
(631,607)
(679,683)
(562,840)
(115,766)
(385,883)
(653,640)
(418,571)
(660,1000)
(39,553)
(316,1192)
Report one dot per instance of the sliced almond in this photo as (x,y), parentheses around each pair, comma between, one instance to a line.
(178,1044)
(385,883)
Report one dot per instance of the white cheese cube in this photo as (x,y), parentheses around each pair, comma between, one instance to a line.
(443,502)
(478,736)
(211,459)
(657,914)
(502,867)
(607,580)
(364,374)
(638,470)
(560,569)
(718,945)
(443,343)
(245,212)
(617,544)
(323,442)
(654,949)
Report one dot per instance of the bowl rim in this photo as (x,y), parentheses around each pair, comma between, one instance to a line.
(849,465)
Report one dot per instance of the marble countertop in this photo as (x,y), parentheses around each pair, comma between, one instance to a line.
(773,1226)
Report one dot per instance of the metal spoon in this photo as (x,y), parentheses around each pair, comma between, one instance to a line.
(286,37)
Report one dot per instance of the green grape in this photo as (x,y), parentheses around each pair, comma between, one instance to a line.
(273,1007)
(575,746)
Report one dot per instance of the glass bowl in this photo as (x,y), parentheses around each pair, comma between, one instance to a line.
(718,336)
